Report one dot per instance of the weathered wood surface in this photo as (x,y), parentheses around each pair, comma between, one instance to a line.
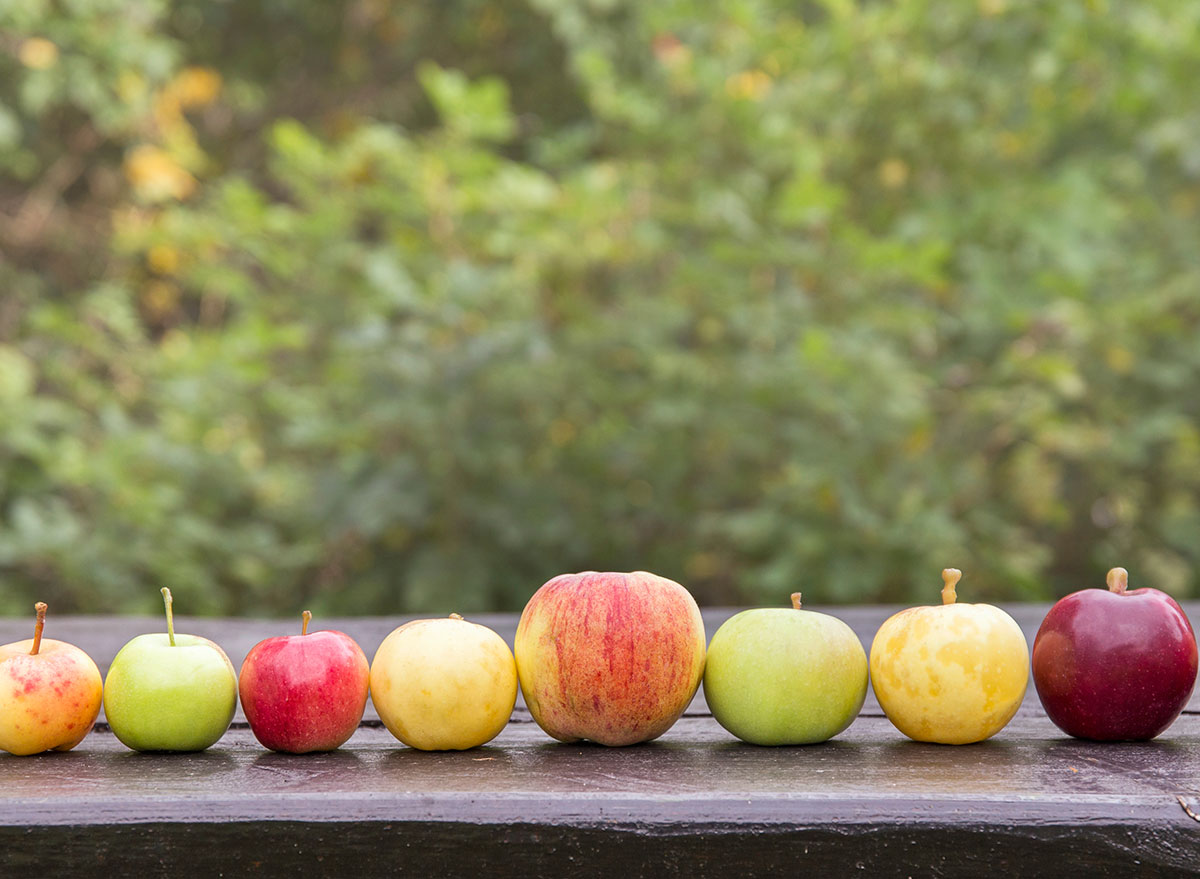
(696,802)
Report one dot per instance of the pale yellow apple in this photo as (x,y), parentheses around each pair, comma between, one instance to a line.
(954,673)
(444,684)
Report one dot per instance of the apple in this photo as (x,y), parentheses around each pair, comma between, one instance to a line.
(304,692)
(785,676)
(1112,665)
(954,673)
(170,692)
(49,693)
(609,657)
(444,684)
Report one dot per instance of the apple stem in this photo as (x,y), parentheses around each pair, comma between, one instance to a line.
(307,618)
(456,616)
(40,607)
(1118,580)
(796,600)
(950,578)
(168,601)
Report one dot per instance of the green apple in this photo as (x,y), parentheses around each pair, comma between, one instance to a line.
(169,692)
(785,676)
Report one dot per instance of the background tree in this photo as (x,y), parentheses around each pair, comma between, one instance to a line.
(382,307)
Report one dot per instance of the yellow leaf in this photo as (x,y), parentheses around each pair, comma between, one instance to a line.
(562,432)
(160,299)
(474,323)
(749,85)
(1010,144)
(710,330)
(156,176)
(918,441)
(251,456)
(131,86)
(37,53)
(175,344)
(893,173)
(163,259)
(827,498)
(703,564)
(217,440)
(196,86)
(1119,359)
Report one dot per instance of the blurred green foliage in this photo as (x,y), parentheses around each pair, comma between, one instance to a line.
(379,306)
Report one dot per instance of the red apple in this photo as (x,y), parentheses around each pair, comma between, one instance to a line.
(613,658)
(1115,665)
(304,692)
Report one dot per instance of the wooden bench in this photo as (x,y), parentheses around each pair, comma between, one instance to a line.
(696,802)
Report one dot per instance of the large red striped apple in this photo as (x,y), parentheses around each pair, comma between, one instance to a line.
(612,658)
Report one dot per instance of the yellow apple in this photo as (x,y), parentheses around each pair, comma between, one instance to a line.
(444,684)
(954,673)
(49,693)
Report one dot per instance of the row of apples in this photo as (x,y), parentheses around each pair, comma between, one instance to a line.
(615,658)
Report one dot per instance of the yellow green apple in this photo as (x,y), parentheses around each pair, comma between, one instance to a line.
(951,673)
(170,692)
(444,684)
(49,693)
(614,658)
(785,676)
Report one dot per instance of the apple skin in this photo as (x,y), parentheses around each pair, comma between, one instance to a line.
(304,693)
(614,658)
(784,676)
(159,697)
(952,673)
(49,700)
(444,684)
(1114,666)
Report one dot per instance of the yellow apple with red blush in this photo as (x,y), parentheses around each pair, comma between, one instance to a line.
(49,693)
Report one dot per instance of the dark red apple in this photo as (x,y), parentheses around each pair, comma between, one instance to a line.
(304,692)
(1115,665)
